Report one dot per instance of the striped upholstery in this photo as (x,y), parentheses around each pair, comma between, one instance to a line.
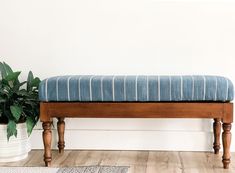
(136,88)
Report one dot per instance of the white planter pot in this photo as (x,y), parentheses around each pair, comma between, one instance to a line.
(16,148)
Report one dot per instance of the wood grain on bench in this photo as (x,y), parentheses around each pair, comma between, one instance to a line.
(219,111)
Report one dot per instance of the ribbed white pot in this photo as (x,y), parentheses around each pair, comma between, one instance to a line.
(16,148)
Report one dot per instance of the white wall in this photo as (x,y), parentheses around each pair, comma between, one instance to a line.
(122,37)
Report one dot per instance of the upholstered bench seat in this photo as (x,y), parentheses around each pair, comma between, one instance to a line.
(91,96)
(136,88)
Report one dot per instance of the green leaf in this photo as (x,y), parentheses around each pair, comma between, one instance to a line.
(29,80)
(35,82)
(17,86)
(22,92)
(2,70)
(16,112)
(5,82)
(30,125)
(2,101)
(11,129)
(12,76)
(7,68)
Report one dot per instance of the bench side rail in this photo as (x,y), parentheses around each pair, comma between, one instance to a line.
(221,110)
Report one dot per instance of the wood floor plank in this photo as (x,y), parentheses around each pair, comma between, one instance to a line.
(137,169)
(110,158)
(75,158)
(133,157)
(31,155)
(94,158)
(36,159)
(164,162)
(138,161)
(59,159)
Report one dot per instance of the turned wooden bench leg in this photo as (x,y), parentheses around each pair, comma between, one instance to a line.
(226,137)
(217,131)
(47,142)
(61,129)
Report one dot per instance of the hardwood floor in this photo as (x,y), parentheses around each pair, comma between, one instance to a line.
(139,161)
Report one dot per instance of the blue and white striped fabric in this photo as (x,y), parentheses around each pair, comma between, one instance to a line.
(136,88)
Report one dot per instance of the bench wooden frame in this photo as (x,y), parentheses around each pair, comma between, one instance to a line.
(219,111)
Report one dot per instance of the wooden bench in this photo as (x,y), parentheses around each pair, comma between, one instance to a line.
(137,97)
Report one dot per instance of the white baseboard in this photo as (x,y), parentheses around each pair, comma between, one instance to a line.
(132,134)
(130,140)
(139,124)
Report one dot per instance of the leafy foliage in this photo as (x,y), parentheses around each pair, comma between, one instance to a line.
(18,100)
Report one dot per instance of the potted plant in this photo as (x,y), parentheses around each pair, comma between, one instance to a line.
(19,113)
